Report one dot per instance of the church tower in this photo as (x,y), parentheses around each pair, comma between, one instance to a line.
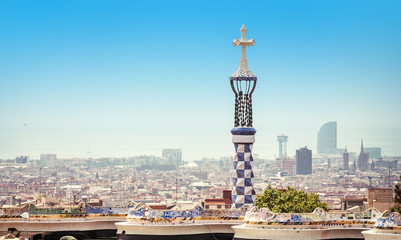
(363,159)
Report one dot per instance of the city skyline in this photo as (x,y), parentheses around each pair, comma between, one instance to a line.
(124,78)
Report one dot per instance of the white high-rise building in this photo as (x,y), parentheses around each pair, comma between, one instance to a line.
(48,160)
(327,139)
(174,156)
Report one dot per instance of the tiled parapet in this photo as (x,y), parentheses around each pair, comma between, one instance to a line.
(264,216)
(389,220)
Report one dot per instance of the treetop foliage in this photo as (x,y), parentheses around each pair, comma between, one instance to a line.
(289,201)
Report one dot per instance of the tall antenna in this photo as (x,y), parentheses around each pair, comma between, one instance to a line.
(89,150)
(176,189)
(40,181)
(71,191)
(389,185)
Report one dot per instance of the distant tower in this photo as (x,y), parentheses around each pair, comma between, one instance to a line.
(304,161)
(372,167)
(282,145)
(346,159)
(243,83)
(363,159)
(354,167)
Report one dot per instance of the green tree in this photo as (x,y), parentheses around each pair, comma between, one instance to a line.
(397,198)
(289,201)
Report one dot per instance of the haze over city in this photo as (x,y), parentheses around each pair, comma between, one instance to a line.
(106,78)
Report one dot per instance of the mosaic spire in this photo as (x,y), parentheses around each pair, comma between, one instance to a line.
(243,83)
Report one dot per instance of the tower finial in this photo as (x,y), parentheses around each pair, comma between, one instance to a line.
(243,83)
(243,72)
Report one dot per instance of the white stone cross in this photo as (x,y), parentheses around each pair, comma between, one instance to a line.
(243,69)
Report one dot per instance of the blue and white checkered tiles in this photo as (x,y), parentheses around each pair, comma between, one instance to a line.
(243,192)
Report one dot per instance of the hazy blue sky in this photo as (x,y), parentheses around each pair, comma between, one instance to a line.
(134,77)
